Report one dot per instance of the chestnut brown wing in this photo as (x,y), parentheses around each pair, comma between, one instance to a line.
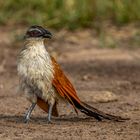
(63,85)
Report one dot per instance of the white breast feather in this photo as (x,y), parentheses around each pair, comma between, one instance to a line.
(35,68)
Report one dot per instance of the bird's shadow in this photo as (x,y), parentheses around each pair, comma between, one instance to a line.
(38,120)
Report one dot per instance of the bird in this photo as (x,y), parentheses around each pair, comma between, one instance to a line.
(43,81)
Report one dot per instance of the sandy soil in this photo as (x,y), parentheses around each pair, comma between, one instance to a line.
(94,71)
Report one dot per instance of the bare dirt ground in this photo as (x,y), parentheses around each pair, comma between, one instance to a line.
(94,71)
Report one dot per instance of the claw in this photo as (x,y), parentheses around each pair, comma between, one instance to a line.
(26,120)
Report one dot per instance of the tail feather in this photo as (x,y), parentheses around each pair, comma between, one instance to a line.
(86,110)
(97,114)
(104,115)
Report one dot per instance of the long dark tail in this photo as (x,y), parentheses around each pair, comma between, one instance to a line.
(97,114)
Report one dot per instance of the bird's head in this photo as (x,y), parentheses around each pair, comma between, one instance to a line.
(36,31)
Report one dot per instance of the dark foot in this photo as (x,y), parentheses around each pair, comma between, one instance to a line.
(50,122)
(26,120)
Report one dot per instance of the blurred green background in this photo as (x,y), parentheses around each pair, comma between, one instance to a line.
(69,14)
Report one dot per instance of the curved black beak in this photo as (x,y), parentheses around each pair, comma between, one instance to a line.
(47,34)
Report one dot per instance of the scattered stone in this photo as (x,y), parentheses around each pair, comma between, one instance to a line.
(105,96)
(1,86)
(99,96)
(86,77)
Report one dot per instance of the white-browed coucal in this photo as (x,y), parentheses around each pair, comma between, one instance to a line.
(44,82)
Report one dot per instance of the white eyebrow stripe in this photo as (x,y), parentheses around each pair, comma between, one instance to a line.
(34,30)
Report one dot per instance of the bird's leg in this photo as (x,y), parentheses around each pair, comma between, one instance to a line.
(50,113)
(28,114)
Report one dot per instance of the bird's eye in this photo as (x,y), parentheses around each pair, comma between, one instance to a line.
(34,33)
